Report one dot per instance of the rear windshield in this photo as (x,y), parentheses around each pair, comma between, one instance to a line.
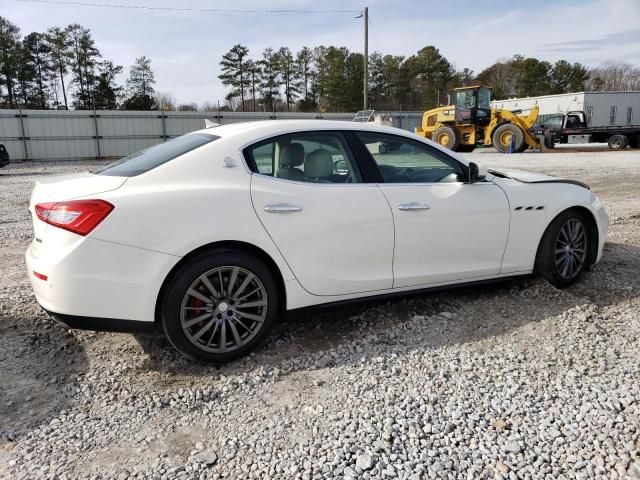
(150,158)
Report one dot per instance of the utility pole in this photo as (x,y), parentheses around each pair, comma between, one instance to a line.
(366,57)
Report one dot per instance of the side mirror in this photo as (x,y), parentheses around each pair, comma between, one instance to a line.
(477,173)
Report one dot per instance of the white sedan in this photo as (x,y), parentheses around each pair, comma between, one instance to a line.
(216,233)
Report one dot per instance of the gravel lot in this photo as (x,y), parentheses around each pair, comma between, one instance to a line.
(517,380)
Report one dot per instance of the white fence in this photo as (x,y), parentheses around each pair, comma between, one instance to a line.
(45,135)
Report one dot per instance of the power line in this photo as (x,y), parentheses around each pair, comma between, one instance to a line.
(184,9)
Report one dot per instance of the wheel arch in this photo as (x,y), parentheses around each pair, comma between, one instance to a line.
(226,245)
(592,231)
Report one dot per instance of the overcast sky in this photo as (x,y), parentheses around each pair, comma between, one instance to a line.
(185,47)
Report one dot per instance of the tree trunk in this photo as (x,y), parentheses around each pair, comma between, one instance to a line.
(287,87)
(40,88)
(9,90)
(64,92)
(241,86)
(253,89)
(79,72)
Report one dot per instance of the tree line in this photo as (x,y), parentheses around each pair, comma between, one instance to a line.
(331,79)
(62,68)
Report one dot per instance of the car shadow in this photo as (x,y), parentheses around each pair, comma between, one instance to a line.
(454,316)
(40,366)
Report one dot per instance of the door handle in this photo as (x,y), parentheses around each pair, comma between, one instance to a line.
(282,208)
(414,206)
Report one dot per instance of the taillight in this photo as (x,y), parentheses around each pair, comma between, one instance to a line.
(77,216)
(40,276)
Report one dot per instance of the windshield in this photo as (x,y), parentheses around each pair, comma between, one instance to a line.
(553,122)
(148,159)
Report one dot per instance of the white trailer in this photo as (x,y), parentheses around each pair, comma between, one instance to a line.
(603,109)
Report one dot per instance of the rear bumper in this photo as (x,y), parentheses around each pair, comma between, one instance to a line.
(98,285)
(101,324)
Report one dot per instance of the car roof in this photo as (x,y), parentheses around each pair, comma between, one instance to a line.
(257,130)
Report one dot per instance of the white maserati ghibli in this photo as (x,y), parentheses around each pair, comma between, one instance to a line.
(216,233)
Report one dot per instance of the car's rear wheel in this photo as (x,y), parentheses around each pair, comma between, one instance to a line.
(564,250)
(219,306)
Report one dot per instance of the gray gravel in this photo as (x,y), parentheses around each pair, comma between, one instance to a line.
(516,381)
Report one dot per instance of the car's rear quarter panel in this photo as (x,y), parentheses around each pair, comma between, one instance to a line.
(186,204)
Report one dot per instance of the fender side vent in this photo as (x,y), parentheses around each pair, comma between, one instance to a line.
(529,208)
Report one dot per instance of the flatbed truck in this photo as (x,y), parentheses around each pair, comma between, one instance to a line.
(572,127)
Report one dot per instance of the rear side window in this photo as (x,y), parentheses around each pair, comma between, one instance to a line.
(148,159)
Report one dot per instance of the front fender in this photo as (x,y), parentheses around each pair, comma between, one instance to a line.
(533,207)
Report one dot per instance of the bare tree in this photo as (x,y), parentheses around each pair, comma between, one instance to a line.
(614,77)
(165,100)
(188,107)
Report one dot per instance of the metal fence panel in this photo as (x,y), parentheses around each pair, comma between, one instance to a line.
(9,124)
(81,134)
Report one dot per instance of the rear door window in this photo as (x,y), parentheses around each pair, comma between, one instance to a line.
(152,157)
(312,157)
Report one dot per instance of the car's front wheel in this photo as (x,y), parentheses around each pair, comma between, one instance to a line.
(219,306)
(564,250)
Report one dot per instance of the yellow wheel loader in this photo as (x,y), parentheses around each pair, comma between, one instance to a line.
(471,121)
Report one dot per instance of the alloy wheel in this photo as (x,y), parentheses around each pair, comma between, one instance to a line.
(223,309)
(571,248)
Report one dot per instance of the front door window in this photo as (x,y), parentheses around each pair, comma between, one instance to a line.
(402,160)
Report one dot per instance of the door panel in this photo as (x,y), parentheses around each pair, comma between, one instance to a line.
(445,228)
(337,238)
(446,232)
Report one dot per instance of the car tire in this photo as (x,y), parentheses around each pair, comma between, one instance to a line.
(446,137)
(502,135)
(618,142)
(563,253)
(197,320)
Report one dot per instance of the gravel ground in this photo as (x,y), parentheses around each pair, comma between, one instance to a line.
(518,380)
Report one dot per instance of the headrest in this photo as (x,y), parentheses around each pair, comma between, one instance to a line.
(292,155)
(319,164)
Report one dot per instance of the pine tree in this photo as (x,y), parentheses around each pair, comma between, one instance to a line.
(140,85)
(9,58)
(253,75)
(59,46)
(304,64)
(40,56)
(84,61)
(270,80)
(107,92)
(234,68)
(25,77)
(288,72)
